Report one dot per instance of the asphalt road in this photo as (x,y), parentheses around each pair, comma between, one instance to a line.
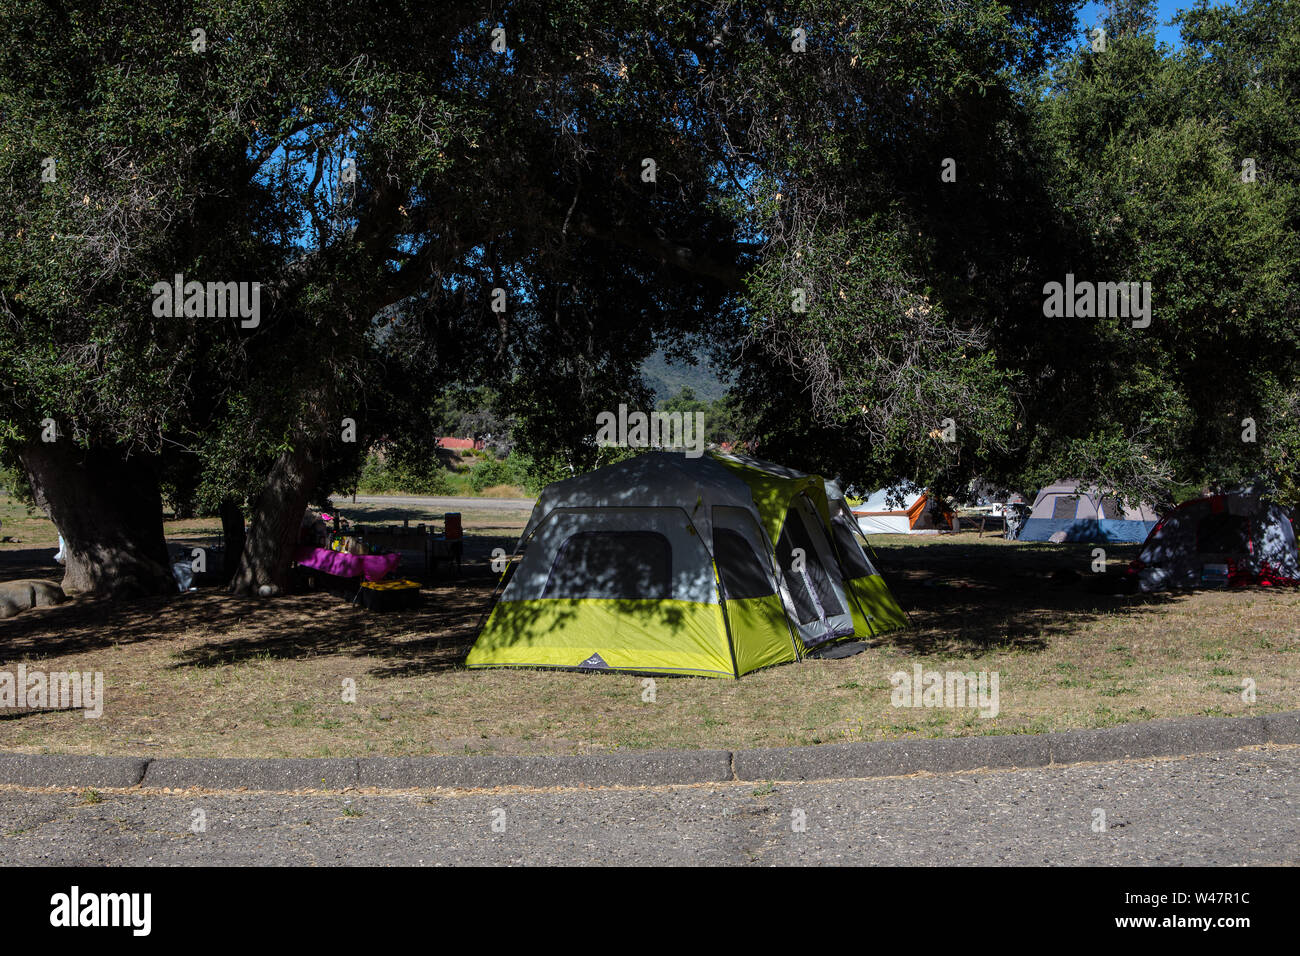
(442,504)
(1230,808)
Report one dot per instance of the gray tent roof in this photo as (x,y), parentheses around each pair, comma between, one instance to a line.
(1070,488)
(763,464)
(656,479)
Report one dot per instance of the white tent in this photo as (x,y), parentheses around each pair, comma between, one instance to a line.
(901,509)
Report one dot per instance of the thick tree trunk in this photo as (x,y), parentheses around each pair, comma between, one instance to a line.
(232,532)
(109,511)
(276,522)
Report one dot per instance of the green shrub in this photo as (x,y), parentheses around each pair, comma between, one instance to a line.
(494,472)
(393,476)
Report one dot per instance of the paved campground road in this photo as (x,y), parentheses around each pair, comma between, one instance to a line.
(436,504)
(1228,808)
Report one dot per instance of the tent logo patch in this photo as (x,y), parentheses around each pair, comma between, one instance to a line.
(594,662)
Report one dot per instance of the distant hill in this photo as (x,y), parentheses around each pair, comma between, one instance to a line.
(666,378)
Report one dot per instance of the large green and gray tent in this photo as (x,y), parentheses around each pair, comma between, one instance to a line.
(714,566)
(868,588)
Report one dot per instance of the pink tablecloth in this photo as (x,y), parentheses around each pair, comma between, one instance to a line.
(372,567)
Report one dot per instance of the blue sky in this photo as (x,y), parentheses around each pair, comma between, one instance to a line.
(1092,14)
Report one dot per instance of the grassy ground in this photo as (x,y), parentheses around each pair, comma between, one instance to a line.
(206,674)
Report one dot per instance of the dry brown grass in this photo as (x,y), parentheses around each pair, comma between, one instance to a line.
(206,674)
(504,491)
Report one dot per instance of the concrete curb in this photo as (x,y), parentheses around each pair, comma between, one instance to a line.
(895,758)
(1283,728)
(252,774)
(1166,738)
(886,758)
(49,770)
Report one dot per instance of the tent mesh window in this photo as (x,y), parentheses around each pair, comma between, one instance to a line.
(804,607)
(853,561)
(1111,509)
(1065,507)
(741,572)
(1223,534)
(795,535)
(631,565)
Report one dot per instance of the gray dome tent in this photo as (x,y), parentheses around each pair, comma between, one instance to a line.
(1068,511)
(1237,540)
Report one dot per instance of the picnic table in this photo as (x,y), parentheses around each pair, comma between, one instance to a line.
(445,544)
(980,519)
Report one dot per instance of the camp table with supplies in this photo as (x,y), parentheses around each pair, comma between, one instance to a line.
(359,562)
(980,518)
(445,544)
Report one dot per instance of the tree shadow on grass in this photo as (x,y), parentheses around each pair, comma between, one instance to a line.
(19,563)
(436,636)
(963,599)
(968,599)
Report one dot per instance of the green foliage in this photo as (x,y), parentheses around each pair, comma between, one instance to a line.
(537,473)
(14,481)
(777,171)
(496,472)
(722,422)
(666,378)
(1147,149)
(927,300)
(393,476)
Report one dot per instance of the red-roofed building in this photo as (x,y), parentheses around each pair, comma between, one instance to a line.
(460,444)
